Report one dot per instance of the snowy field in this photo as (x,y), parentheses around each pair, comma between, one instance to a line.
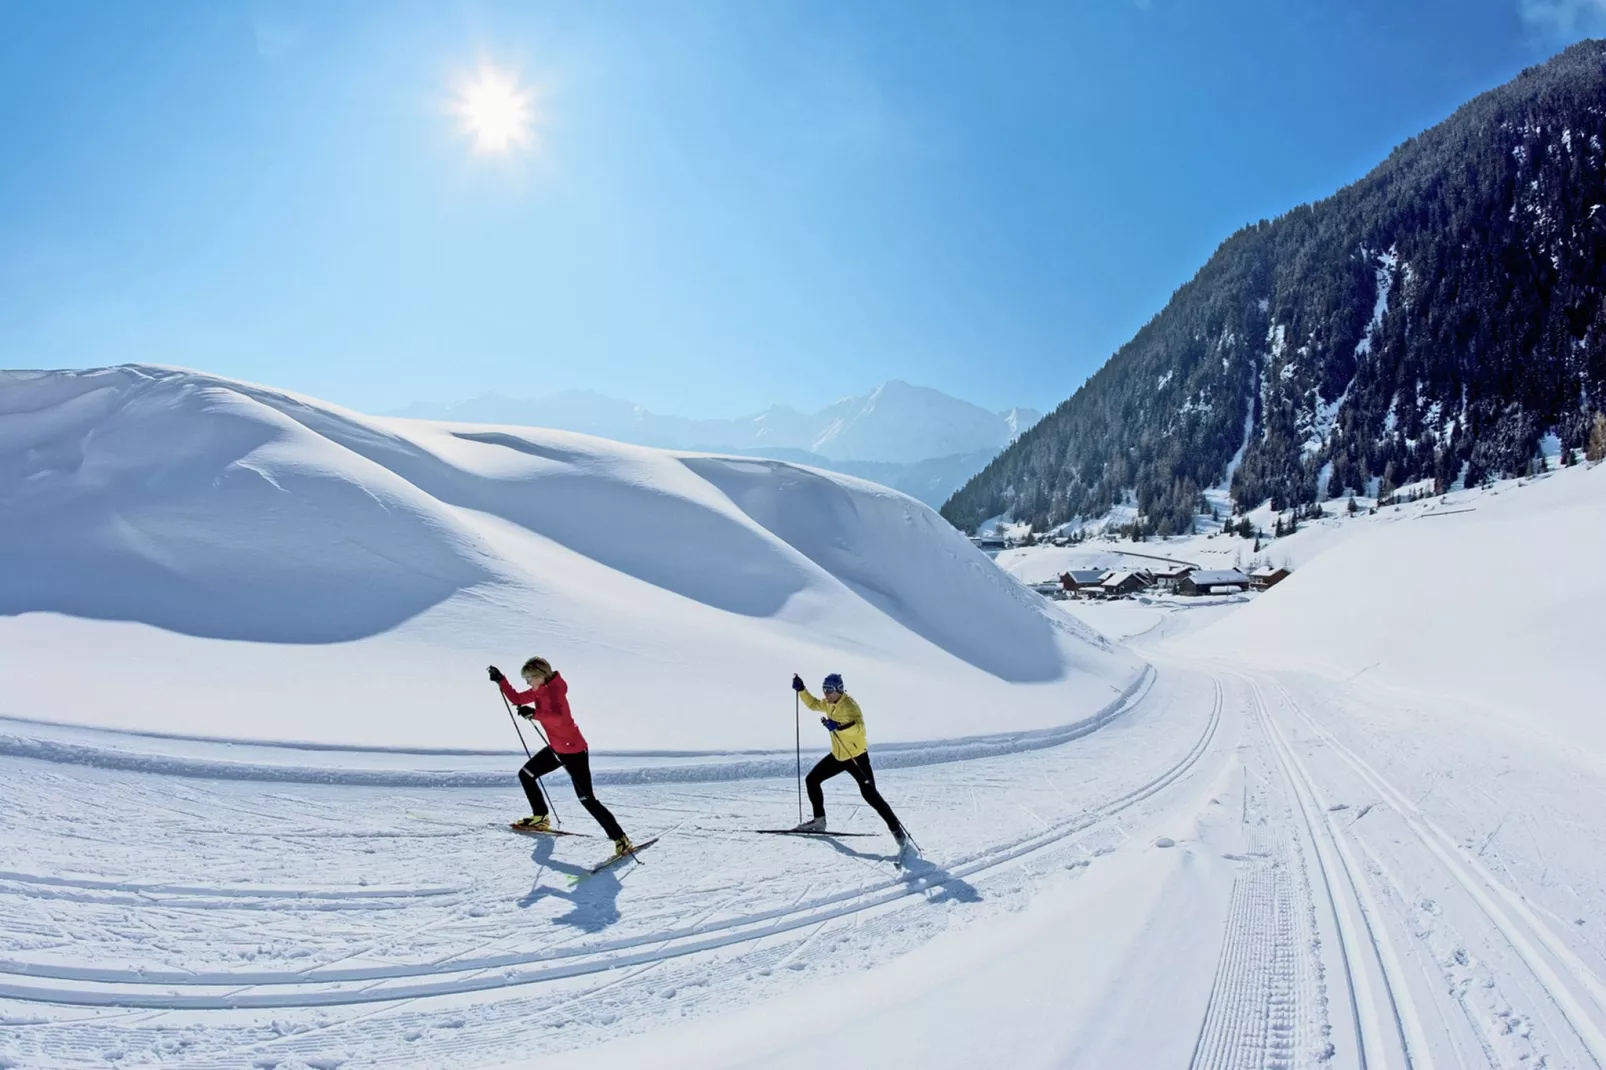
(1353,822)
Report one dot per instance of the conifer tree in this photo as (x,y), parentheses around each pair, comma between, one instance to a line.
(1595,451)
(1493,273)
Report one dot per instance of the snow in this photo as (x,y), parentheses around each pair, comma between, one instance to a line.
(1533,661)
(249,564)
(1386,265)
(1324,480)
(1220,496)
(1350,821)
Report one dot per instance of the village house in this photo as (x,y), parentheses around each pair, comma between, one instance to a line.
(1083,582)
(1213,581)
(1168,577)
(1266,577)
(1121,584)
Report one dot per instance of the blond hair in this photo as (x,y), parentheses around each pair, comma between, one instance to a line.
(540,665)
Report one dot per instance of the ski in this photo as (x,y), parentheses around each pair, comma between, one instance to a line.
(636,850)
(796,832)
(547,832)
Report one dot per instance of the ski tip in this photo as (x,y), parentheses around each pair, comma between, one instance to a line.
(635,850)
(544,832)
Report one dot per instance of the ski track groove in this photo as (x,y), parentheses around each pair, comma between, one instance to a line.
(1267,992)
(165,989)
(1387,1029)
(1521,928)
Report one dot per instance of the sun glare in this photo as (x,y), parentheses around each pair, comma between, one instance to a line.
(496,112)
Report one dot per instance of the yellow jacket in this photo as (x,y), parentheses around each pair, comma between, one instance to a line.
(847,742)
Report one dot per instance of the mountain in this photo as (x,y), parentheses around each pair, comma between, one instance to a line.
(904,424)
(247,562)
(913,438)
(895,423)
(1435,320)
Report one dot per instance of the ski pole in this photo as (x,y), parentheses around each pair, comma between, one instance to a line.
(516,727)
(797,728)
(538,785)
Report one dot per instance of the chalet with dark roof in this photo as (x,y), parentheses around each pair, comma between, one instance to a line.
(1213,581)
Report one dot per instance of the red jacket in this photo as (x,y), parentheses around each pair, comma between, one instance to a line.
(551,704)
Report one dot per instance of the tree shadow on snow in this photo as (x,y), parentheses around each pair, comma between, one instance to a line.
(593,898)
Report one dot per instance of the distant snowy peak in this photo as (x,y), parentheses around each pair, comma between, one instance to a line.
(896,423)
(905,423)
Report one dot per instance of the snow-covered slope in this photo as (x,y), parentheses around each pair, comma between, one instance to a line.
(196,555)
(1494,600)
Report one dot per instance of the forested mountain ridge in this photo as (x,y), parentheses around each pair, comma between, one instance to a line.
(1435,319)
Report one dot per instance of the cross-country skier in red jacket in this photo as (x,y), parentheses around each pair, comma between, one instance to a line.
(547,703)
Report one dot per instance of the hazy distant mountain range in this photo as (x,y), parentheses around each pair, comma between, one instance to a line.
(918,440)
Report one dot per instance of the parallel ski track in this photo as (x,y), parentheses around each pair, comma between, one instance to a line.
(200,990)
(1237,1031)
(1387,1028)
(1265,993)
(1565,978)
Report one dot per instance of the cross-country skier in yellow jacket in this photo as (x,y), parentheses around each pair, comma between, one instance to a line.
(850,753)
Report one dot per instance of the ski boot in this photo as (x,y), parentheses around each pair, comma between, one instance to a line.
(813,824)
(534,824)
(622,846)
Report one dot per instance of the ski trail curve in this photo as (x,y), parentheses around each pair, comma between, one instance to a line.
(170,989)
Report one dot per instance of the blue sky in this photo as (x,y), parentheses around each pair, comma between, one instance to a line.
(726,204)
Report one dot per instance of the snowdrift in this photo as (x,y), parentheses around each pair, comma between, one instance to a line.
(189,554)
(1495,601)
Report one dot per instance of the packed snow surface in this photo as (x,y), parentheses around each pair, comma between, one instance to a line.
(1353,822)
(1495,598)
(194,555)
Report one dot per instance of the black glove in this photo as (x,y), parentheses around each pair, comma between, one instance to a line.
(833,726)
(527,712)
(496,674)
(797,682)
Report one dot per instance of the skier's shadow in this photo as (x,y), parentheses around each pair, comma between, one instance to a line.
(926,875)
(594,898)
(920,874)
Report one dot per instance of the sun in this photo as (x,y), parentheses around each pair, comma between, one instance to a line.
(496,112)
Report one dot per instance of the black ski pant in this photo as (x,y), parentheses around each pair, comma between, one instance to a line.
(578,765)
(859,769)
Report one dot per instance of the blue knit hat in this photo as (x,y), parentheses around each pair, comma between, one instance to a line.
(833,683)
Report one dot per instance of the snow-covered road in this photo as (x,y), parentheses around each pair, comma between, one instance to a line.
(1241,869)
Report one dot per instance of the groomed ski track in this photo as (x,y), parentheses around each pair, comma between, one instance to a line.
(497,925)
(239,989)
(225,922)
